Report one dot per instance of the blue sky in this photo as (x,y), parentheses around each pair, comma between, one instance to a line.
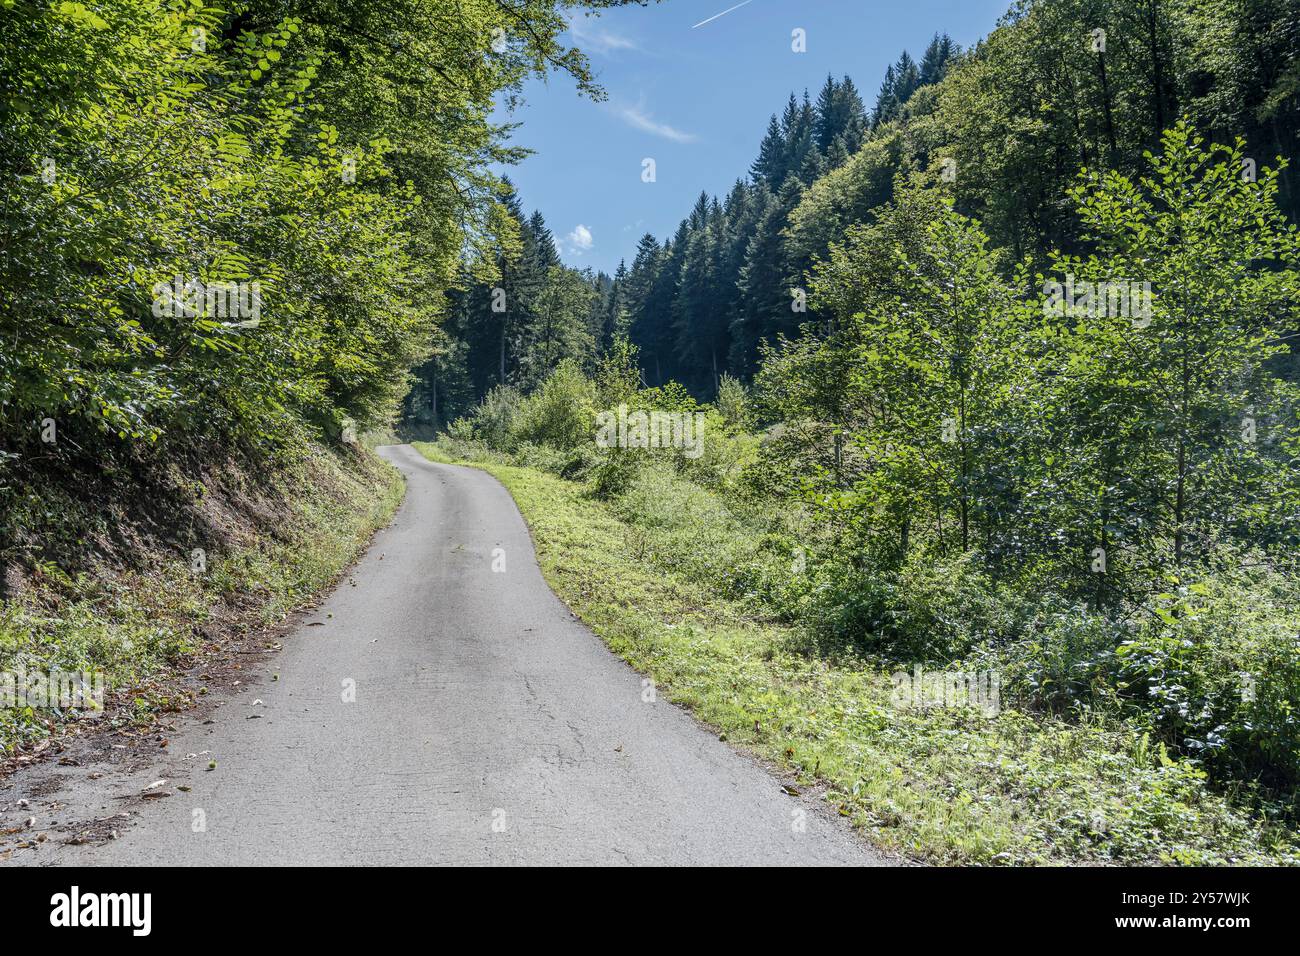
(696,99)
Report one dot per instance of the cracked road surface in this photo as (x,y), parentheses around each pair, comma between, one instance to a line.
(489,726)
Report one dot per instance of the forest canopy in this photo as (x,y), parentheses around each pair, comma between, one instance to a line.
(329,162)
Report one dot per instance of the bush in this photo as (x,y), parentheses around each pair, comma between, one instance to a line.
(1217,673)
(560,414)
(615,473)
(733,402)
(1063,659)
(493,422)
(926,611)
(725,454)
(1213,671)
(541,457)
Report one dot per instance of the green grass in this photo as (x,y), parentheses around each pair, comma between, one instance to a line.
(139,627)
(944,785)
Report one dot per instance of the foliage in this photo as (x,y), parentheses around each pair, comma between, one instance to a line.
(1059,85)
(560,414)
(334,153)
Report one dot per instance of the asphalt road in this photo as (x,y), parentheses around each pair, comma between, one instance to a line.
(485,725)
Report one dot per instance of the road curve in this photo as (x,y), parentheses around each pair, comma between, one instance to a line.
(489,726)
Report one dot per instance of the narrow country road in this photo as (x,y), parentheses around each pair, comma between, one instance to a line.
(488,727)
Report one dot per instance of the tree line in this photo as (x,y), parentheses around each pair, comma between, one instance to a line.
(1057,86)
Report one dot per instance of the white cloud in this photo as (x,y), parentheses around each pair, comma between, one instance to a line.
(593,38)
(637,117)
(580,240)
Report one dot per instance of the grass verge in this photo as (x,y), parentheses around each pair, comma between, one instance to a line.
(943,785)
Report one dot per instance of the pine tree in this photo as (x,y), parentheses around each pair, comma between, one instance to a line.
(559,326)
(837,155)
(524,283)
(829,124)
(887,104)
(770,166)
(652,328)
(614,312)
(744,208)
(766,281)
(855,134)
(498,322)
(598,314)
(752,239)
(798,126)
(906,78)
(699,321)
(645,266)
(541,243)
(937,59)
(840,113)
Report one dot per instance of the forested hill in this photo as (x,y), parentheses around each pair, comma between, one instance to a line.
(1058,86)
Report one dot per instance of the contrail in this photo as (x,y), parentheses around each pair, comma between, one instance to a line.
(723,13)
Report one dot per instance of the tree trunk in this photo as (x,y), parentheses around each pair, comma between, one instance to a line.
(965,479)
(503,350)
(1105,105)
(433,393)
(1180,496)
(1153,28)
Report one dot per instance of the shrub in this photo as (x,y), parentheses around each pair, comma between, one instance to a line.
(927,610)
(615,473)
(1216,670)
(725,454)
(541,457)
(733,402)
(693,528)
(560,414)
(1062,660)
(493,422)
